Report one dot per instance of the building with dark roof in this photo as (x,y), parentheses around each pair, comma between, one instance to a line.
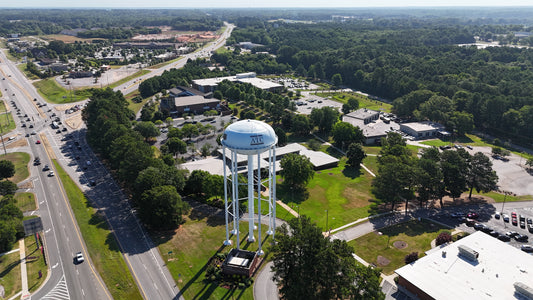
(188,104)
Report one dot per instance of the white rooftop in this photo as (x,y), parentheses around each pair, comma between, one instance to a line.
(492,276)
(244,78)
(423,126)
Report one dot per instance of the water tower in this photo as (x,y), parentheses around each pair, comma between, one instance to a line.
(249,141)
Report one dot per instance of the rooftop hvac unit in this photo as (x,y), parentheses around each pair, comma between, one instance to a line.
(524,290)
(468,252)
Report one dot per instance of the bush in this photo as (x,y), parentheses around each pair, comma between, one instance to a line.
(443,238)
(411,257)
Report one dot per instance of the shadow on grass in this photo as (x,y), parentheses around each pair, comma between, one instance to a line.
(112,243)
(331,150)
(289,194)
(351,172)
(97,220)
(9,268)
(204,292)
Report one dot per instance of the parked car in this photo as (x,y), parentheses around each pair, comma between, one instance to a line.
(511,234)
(521,238)
(494,233)
(504,238)
(505,218)
(530,228)
(522,224)
(479,226)
(527,248)
(470,222)
(514,221)
(529,220)
(497,215)
(472,215)
(486,229)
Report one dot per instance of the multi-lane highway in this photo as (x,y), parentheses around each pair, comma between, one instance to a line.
(70,280)
(67,280)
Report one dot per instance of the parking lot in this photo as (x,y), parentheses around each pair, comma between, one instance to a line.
(486,215)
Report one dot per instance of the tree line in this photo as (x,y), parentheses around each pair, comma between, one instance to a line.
(403,177)
(11,228)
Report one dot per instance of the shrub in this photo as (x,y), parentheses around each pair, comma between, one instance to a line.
(443,238)
(411,257)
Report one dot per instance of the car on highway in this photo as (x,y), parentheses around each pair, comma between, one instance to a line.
(38,142)
(46,168)
(33,133)
(27,134)
(31,126)
(51,174)
(79,258)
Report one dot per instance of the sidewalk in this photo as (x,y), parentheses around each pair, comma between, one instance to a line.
(23,272)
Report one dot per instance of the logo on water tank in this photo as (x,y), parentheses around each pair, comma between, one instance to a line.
(256,140)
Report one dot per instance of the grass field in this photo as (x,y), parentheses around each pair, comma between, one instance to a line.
(363,101)
(417,234)
(7,122)
(343,191)
(192,245)
(2,106)
(34,264)
(20,160)
(135,107)
(24,69)
(25,201)
(101,244)
(500,197)
(10,273)
(52,92)
(128,78)
(68,38)
(160,65)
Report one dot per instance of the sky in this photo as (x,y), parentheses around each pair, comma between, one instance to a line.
(253,3)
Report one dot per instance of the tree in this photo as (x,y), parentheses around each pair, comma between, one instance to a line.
(301,125)
(206,149)
(162,207)
(430,180)
(411,257)
(189,130)
(393,181)
(8,235)
(443,238)
(282,136)
(296,170)
(7,187)
(345,133)
(197,183)
(480,175)
(454,170)
(157,176)
(336,80)
(7,169)
(176,145)
(308,265)
(147,129)
(355,155)
(324,118)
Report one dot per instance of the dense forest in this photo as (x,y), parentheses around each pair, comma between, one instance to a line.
(421,68)
(52,21)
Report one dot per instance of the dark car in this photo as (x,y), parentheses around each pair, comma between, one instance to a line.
(504,238)
(521,238)
(514,221)
(530,228)
(92,183)
(529,220)
(472,215)
(522,224)
(46,168)
(479,226)
(511,234)
(494,233)
(497,215)
(470,222)
(527,248)
(486,229)
(31,125)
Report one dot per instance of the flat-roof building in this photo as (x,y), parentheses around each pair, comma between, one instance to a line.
(422,130)
(475,267)
(374,129)
(189,104)
(208,85)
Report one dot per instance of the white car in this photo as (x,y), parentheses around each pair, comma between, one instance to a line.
(79,258)
(51,174)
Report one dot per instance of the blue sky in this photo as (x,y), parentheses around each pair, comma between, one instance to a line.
(257,3)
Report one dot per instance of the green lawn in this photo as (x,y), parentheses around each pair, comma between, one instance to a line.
(25,201)
(371,162)
(20,160)
(23,68)
(126,79)
(2,106)
(500,197)
(10,273)
(7,122)
(192,245)
(417,234)
(363,101)
(343,191)
(101,244)
(135,107)
(34,264)
(52,92)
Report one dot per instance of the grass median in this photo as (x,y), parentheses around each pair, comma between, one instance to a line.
(128,78)
(101,243)
(52,92)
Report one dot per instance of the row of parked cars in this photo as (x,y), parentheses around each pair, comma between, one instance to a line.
(470,220)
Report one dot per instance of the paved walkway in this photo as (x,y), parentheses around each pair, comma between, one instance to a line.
(23,271)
